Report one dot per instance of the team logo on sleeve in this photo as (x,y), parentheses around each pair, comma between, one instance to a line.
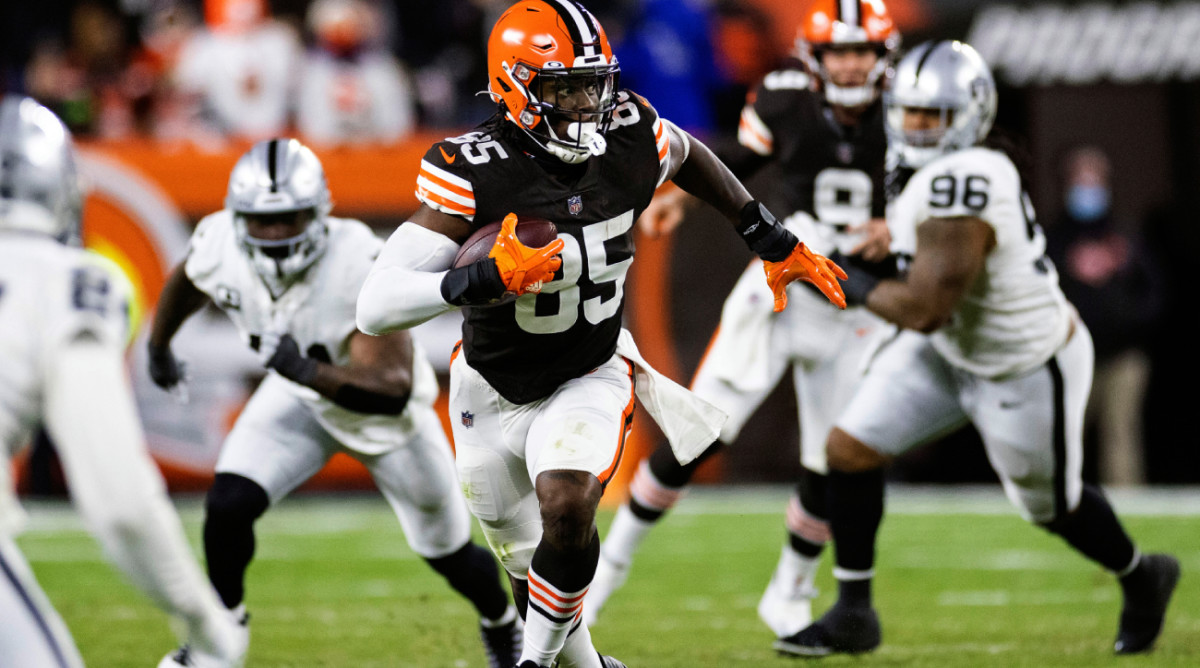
(575,204)
(229,298)
(468,419)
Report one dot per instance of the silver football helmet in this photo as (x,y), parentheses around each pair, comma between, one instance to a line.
(280,176)
(952,78)
(39,186)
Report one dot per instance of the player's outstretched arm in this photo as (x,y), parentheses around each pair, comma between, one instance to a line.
(951,254)
(695,169)
(377,379)
(91,416)
(179,299)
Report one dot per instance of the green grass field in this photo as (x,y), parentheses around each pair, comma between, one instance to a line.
(962,581)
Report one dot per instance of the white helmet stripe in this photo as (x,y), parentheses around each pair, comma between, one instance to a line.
(570,11)
(848,12)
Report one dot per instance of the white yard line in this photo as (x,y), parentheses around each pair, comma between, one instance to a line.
(332,514)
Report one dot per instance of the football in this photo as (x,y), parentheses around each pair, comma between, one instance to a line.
(533,232)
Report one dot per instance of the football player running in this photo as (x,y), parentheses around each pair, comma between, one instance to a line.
(543,389)
(287,274)
(987,338)
(823,126)
(63,331)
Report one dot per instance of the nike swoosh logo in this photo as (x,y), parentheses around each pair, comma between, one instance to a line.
(448,158)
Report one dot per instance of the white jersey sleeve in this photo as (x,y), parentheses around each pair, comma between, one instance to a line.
(1015,316)
(71,309)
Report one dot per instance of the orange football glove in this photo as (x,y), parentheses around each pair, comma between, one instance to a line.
(805,265)
(523,269)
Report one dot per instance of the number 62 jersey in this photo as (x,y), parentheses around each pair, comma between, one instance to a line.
(527,348)
(1015,316)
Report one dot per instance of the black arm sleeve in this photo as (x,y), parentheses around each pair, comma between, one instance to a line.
(359,400)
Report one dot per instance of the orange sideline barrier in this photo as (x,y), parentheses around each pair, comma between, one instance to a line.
(366,182)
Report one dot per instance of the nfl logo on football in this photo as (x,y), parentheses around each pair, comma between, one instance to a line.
(468,419)
(575,204)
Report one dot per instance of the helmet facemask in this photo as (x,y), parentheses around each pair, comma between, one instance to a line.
(569,110)
(280,262)
(851,96)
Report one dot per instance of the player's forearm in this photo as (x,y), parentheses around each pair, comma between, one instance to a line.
(404,288)
(178,301)
(898,302)
(396,298)
(119,492)
(707,178)
(363,390)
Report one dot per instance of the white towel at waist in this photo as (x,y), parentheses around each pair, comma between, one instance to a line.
(690,423)
(740,355)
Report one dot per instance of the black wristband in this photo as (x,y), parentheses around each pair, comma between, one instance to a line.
(359,400)
(477,284)
(289,363)
(768,239)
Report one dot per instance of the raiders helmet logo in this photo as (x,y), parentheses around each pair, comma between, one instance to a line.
(575,204)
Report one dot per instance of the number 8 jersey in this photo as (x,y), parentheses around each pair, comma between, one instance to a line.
(527,348)
(1015,316)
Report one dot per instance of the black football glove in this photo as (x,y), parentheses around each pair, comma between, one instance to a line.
(165,369)
(863,275)
(288,361)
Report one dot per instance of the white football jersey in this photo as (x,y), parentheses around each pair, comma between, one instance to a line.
(50,295)
(318,311)
(1015,316)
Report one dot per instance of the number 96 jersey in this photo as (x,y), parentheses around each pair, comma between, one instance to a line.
(1015,316)
(527,348)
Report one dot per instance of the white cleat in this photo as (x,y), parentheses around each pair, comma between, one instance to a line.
(188,655)
(786,605)
(610,576)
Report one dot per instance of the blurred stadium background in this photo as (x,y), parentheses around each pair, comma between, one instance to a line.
(1122,77)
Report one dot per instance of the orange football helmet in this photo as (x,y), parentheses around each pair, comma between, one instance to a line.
(551,69)
(831,24)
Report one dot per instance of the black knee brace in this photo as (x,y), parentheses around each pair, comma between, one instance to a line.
(231,507)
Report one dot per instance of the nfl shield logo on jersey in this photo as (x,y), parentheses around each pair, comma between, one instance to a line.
(845,152)
(575,204)
(468,419)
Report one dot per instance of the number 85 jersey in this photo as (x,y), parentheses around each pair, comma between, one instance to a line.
(527,348)
(1014,317)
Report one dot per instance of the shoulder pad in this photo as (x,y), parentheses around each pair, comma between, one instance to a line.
(444,182)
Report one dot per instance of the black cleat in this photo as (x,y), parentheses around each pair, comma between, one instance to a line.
(841,630)
(1144,608)
(502,644)
(609,662)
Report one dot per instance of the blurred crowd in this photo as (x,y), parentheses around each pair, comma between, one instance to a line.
(344,71)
